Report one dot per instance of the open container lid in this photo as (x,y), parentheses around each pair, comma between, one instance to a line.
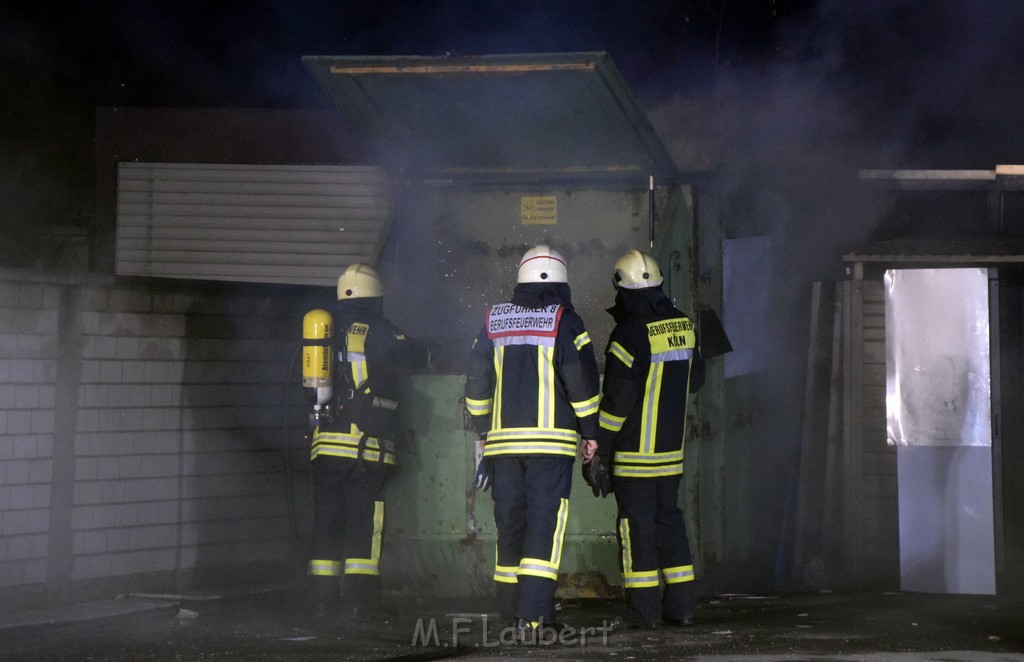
(533,116)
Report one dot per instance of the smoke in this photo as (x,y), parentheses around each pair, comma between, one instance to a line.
(855,85)
(777,145)
(772,106)
(61,62)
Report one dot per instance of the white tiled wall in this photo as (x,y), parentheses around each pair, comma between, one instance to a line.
(173,452)
(28,337)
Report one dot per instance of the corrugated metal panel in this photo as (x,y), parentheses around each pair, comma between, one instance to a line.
(250,223)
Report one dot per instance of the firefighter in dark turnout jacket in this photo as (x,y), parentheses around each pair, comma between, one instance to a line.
(353,447)
(532,391)
(652,364)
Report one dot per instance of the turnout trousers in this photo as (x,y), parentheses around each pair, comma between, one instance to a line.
(531,505)
(348,519)
(657,565)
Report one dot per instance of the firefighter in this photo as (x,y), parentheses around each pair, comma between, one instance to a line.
(532,392)
(353,448)
(652,364)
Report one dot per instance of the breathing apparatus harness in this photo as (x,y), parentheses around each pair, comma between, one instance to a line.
(374,415)
(355,402)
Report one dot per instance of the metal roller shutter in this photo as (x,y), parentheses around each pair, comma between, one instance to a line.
(249,223)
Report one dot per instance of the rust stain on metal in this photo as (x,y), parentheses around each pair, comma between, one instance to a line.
(612,167)
(471,540)
(471,527)
(590,584)
(462,68)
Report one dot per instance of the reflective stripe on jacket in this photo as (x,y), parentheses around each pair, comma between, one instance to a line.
(346,444)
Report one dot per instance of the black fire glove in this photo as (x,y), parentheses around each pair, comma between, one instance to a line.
(598,476)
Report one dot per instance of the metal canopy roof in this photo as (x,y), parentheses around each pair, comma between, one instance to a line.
(942,251)
(534,116)
(1002,178)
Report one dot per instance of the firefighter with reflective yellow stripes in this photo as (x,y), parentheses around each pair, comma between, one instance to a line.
(532,392)
(652,364)
(353,447)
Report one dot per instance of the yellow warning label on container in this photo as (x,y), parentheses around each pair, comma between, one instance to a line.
(539,210)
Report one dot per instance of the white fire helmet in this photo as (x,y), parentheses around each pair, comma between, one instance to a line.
(636,270)
(359,281)
(540,264)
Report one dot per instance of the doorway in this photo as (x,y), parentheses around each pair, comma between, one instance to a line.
(939,404)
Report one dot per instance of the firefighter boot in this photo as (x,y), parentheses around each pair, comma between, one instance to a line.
(324,600)
(679,604)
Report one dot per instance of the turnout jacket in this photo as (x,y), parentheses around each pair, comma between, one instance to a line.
(532,384)
(370,357)
(652,364)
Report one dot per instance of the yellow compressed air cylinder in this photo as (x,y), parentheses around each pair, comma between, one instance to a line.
(317,328)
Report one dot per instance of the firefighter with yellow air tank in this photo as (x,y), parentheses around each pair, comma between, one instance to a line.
(652,364)
(353,358)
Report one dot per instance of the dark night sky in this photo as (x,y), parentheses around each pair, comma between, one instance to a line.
(246,54)
(899,83)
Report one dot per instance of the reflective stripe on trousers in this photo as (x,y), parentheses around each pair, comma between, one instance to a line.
(531,508)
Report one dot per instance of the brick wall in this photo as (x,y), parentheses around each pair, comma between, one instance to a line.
(143,428)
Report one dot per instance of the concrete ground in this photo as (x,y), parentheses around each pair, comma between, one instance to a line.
(268,625)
